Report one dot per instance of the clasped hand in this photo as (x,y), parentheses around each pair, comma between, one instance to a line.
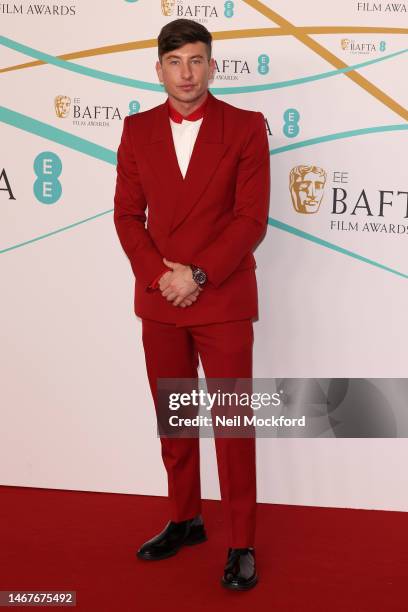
(177,285)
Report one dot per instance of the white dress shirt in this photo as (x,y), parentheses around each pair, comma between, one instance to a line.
(184,137)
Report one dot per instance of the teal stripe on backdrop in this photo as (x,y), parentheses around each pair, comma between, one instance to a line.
(338,136)
(53,134)
(271,221)
(94,150)
(90,72)
(329,245)
(57,231)
(135,83)
(49,132)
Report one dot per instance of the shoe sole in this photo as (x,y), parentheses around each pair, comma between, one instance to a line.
(236,587)
(173,552)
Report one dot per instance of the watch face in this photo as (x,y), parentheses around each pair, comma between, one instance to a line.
(200,277)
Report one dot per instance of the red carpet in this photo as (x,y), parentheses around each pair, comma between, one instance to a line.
(317,559)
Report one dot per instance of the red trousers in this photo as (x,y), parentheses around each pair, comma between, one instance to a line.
(225,350)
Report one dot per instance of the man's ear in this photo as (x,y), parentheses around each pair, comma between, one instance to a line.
(159,71)
(212,69)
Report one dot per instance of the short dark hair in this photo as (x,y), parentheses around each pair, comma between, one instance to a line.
(181,32)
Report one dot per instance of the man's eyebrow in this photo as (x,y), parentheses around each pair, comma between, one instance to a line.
(173,55)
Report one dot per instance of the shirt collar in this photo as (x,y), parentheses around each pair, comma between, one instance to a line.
(194,116)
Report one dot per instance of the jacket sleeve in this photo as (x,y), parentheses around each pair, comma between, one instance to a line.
(155,283)
(129,215)
(223,255)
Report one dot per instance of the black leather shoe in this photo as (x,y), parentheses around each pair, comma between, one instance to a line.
(172,538)
(240,570)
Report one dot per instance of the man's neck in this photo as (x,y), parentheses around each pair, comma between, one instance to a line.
(186,108)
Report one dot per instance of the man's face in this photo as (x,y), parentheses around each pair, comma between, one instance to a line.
(185,72)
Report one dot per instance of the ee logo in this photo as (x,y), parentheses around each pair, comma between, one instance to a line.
(134,107)
(263,64)
(382,45)
(228,8)
(291,126)
(47,168)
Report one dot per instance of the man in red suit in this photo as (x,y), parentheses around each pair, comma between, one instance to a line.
(201,168)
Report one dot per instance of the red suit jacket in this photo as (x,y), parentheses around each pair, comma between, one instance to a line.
(213,218)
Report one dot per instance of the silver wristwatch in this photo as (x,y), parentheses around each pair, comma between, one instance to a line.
(199,276)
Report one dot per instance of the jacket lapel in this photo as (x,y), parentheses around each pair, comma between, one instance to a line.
(180,194)
(162,158)
(208,150)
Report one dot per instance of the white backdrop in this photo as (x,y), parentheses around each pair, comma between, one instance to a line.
(76,412)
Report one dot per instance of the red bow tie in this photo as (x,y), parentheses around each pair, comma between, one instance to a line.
(194,116)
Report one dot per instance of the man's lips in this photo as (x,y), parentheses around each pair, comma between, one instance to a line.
(186,87)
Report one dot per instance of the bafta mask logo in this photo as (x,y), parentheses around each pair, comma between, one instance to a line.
(167,7)
(306,186)
(62,106)
(345,43)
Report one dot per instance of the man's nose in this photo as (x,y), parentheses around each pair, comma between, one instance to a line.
(186,71)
